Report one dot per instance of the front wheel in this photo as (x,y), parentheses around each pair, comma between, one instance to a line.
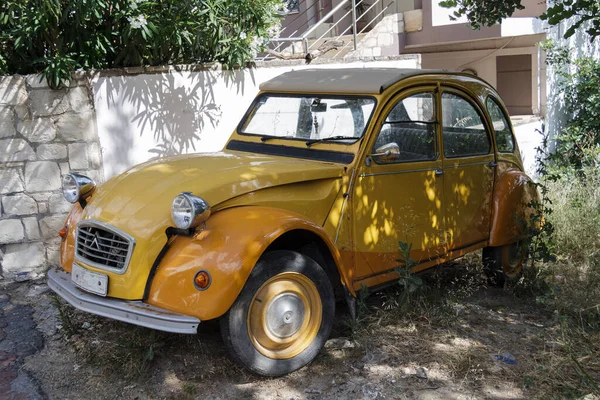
(505,263)
(283,315)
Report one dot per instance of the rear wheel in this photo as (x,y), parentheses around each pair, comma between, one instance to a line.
(283,315)
(505,263)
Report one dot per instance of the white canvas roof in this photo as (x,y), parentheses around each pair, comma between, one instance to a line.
(345,80)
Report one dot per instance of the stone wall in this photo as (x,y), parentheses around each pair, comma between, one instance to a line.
(44,133)
(382,40)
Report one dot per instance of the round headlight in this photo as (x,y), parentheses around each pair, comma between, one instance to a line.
(76,186)
(189,211)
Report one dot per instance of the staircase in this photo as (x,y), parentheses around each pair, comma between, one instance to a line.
(335,35)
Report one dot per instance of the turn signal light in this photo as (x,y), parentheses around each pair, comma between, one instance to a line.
(63,232)
(202,280)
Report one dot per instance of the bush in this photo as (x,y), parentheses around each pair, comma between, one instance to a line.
(55,37)
(578,145)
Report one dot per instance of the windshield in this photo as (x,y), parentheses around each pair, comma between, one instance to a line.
(308,117)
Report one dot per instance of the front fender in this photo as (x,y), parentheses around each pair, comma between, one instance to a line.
(511,207)
(228,248)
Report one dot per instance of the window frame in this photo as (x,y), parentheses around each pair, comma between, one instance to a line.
(394,101)
(482,115)
(507,121)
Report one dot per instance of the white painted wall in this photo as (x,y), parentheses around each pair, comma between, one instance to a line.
(529,138)
(484,63)
(580,46)
(143,116)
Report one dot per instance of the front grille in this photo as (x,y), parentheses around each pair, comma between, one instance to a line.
(103,246)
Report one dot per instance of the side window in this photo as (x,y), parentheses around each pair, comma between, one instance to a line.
(463,129)
(410,125)
(504,137)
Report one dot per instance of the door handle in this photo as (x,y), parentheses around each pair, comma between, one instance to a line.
(492,164)
(439,172)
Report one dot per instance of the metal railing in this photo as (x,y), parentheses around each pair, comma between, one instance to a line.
(285,41)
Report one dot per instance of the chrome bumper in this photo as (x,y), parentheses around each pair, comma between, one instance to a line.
(134,312)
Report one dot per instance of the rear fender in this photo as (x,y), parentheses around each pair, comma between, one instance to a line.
(512,208)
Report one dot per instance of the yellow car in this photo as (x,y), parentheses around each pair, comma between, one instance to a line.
(326,173)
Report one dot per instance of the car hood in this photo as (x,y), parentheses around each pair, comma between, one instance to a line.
(139,200)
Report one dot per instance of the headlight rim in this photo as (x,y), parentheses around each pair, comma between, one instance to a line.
(84,186)
(200,210)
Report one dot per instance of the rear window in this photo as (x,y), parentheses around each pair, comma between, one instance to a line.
(504,137)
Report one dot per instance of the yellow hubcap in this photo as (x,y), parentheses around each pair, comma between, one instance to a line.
(285,315)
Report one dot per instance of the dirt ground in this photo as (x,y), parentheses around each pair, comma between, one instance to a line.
(483,343)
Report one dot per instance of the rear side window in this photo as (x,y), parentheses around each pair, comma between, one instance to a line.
(410,125)
(463,130)
(504,137)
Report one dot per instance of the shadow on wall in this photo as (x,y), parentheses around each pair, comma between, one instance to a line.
(163,114)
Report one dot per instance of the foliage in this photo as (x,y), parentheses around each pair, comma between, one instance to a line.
(55,37)
(484,13)
(581,11)
(409,282)
(578,145)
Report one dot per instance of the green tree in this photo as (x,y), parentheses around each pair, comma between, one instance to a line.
(55,37)
(484,13)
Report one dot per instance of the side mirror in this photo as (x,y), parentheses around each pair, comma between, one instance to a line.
(387,152)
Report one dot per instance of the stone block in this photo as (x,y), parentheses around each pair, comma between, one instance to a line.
(80,99)
(38,130)
(37,81)
(11,231)
(376,51)
(385,39)
(53,255)
(7,122)
(78,157)
(43,207)
(413,20)
(42,176)
(370,42)
(58,204)
(52,151)
(23,257)
(32,228)
(72,127)
(51,225)
(45,102)
(11,181)
(15,150)
(95,155)
(64,168)
(19,204)
(22,112)
(368,52)
(13,91)
(42,196)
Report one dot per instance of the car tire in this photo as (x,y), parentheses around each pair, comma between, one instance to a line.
(283,315)
(504,264)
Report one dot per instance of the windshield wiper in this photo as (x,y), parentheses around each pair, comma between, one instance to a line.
(269,137)
(410,122)
(313,141)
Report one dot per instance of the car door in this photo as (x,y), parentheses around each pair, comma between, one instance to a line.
(398,194)
(469,163)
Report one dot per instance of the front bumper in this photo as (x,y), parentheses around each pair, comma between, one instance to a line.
(134,312)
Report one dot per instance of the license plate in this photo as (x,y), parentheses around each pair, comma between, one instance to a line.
(90,281)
